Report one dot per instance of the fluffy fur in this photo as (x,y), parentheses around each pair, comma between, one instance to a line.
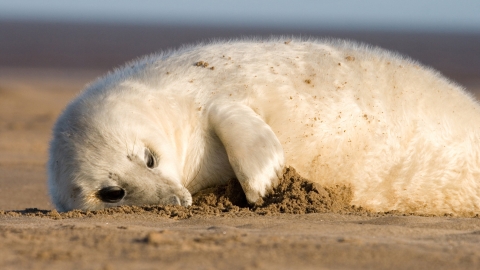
(401,135)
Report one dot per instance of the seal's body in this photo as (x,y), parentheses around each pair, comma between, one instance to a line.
(401,135)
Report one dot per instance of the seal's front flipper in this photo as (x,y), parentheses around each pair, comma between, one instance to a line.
(253,150)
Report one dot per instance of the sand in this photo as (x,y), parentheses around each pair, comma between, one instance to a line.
(300,225)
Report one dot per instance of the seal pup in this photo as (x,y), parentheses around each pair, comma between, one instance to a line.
(170,124)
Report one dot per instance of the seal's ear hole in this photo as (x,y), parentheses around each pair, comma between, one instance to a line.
(150,159)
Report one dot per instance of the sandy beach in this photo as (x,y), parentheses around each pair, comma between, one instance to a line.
(34,90)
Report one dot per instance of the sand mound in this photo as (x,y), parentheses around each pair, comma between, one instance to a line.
(293,195)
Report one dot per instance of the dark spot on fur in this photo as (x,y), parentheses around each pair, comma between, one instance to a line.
(113,176)
(76,190)
(201,64)
(350,58)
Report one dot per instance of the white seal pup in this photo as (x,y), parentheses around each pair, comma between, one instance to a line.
(168,125)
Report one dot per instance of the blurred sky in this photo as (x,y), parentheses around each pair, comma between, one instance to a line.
(420,15)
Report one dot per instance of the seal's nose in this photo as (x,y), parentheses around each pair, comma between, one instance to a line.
(111,194)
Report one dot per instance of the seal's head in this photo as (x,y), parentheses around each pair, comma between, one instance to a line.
(110,148)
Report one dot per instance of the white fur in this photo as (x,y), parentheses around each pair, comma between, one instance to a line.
(404,137)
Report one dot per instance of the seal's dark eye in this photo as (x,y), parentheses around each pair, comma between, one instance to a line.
(150,159)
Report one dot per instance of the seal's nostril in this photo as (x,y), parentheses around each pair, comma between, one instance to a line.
(111,194)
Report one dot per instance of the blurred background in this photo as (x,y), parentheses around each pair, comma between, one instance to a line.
(99,35)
